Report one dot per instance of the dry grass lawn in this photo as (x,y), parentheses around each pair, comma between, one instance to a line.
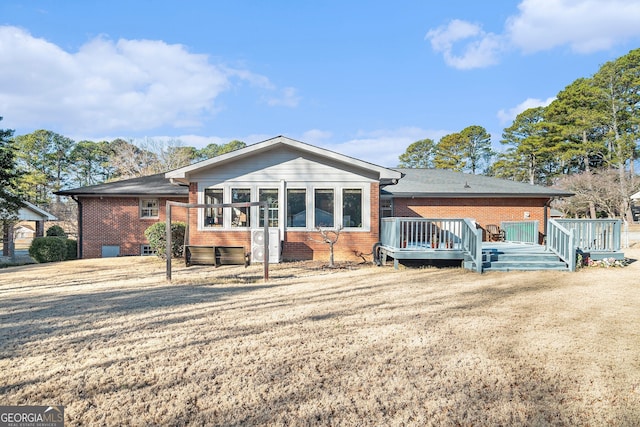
(116,344)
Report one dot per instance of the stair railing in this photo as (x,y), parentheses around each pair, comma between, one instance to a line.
(562,242)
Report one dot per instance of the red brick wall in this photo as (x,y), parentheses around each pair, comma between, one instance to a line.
(483,210)
(116,221)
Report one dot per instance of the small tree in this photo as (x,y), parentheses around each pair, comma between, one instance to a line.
(48,249)
(56,231)
(330,237)
(156,235)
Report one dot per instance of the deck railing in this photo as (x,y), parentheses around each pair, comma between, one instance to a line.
(595,235)
(520,231)
(435,233)
(562,242)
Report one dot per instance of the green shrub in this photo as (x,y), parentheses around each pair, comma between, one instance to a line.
(156,235)
(48,249)
(56,231)
(72,249)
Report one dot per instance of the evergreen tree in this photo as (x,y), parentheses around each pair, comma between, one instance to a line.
(418,155)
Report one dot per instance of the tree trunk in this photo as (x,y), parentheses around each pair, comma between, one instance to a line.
(331,254)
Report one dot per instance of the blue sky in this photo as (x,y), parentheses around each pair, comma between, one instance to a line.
(364,78)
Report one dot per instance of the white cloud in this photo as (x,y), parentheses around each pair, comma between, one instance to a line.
(509,115)
(584,26)
(481,49)
(111,86)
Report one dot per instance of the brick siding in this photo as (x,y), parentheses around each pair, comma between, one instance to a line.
(116,221)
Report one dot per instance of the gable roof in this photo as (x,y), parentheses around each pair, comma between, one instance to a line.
(152,185)
(31,212)
(450,184)
(385,175)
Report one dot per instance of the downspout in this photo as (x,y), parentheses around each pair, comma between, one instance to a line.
(77,200)
(546,219)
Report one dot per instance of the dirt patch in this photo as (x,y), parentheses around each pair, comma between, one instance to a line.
(116,344)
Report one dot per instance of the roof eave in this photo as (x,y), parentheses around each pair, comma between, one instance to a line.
(473,195)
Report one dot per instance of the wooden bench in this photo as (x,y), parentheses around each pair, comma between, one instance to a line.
(215,255)
(232,255)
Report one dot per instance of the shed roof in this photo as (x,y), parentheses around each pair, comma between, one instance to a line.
(152,185)
(450,184)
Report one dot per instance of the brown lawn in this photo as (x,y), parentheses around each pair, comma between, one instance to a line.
(116,344)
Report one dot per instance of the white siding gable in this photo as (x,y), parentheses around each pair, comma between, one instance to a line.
(287,165)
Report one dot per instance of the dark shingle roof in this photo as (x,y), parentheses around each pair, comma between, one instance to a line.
(446,183)
(156,185)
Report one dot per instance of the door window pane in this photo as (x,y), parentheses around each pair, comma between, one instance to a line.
(269,195)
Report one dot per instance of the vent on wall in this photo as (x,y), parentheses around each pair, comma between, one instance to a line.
(257,245)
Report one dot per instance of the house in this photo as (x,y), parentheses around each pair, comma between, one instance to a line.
(438,193)
(113,216)
(28,213)
(305,187)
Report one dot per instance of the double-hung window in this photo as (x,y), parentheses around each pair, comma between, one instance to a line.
(148,208)
(386,208)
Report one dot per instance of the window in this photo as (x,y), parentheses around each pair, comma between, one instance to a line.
(213,216)
(148,208)
(324,208)
(240,216)
(146,250)
(386,208)
(352,207)
(269,195)
(296,207)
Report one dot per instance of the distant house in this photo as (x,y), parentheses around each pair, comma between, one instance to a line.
(23,233)
(27,214)
(306,187)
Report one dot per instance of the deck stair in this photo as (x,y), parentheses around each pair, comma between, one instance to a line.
(520,257)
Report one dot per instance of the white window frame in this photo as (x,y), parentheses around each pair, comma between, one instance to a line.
(306,207)
(258,213)
(342,190)
(147,250)
(309,188)
(143,208)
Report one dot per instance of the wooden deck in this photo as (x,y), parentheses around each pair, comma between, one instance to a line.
(460,239)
